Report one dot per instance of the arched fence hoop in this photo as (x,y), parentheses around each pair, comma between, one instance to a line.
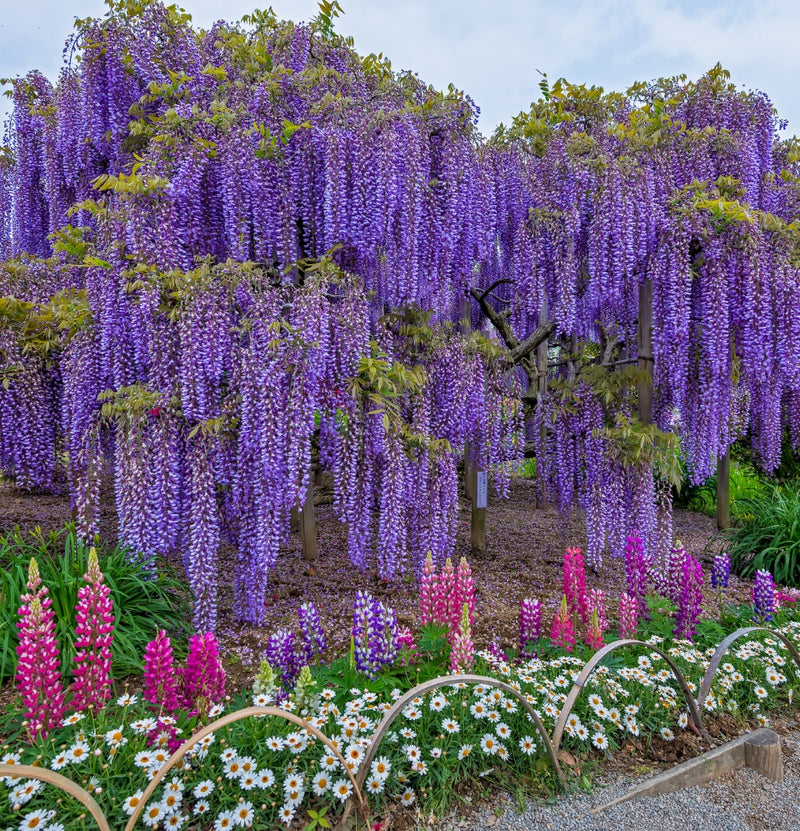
(361,805)
(62,783)
(447,681)
(593,663)
(725,645)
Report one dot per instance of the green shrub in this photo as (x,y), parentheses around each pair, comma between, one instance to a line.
(768,534)
(746,483)
(142,604)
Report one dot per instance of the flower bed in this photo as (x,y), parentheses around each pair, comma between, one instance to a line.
(266,772)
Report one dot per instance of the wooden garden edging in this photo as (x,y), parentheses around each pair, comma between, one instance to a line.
(361,805)
(590,666)
(725,645)
(62,783)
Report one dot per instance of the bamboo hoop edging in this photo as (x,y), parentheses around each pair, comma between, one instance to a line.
(62,783)
(590,666)
(230,719)
(445,681)
(723,647)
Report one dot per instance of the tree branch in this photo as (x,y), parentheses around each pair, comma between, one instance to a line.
(539,335)
(499,323)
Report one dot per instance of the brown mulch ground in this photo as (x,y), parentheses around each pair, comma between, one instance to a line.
(524,557)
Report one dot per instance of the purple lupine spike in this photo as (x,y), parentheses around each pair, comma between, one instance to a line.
(690,600)
(312,634)
(721,571)
(763,596)
(282,656)
(636,571)
(530,624)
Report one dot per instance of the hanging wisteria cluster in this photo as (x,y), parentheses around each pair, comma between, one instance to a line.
(232,256)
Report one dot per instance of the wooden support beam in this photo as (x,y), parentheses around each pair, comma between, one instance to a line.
(308,523)
(760,750)
(478,489)
(645,390)
(541,391)
(466,331)
(724,491)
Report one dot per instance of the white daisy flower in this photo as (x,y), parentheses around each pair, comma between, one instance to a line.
(35,820)
(381,767)
(266,778)
(375,784)
(224,821)
(243,814)
(342,788)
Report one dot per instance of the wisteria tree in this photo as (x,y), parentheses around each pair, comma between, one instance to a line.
(656,234)
(232,254)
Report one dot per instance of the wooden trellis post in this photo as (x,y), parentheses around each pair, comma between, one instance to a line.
(645,389)
(466,330)
(724,491)
(303,521)
(475,480)
(541,390)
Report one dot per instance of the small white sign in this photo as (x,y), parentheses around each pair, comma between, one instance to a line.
(480,489)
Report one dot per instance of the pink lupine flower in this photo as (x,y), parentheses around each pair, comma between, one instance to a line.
(38,675)
(160,680)
(462,654)
(628,615)
(464,593)
(562,632)
(594,633)
(94,633)
(597,601)
(204,676)
(574,575)
(426,590)
(445,595)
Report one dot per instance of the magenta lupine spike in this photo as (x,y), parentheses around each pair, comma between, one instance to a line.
(427,588)
(562,632)
(690,600)
(94,634)
(628,615)
(38,674)
(597,602)
(574,572)
(464,592)
(462,654)
(160,679)
(204,676)
(530,624)
(445,599)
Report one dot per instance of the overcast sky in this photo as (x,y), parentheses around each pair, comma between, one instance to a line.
(493,50)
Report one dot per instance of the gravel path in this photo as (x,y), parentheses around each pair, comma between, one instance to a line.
(739,801)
